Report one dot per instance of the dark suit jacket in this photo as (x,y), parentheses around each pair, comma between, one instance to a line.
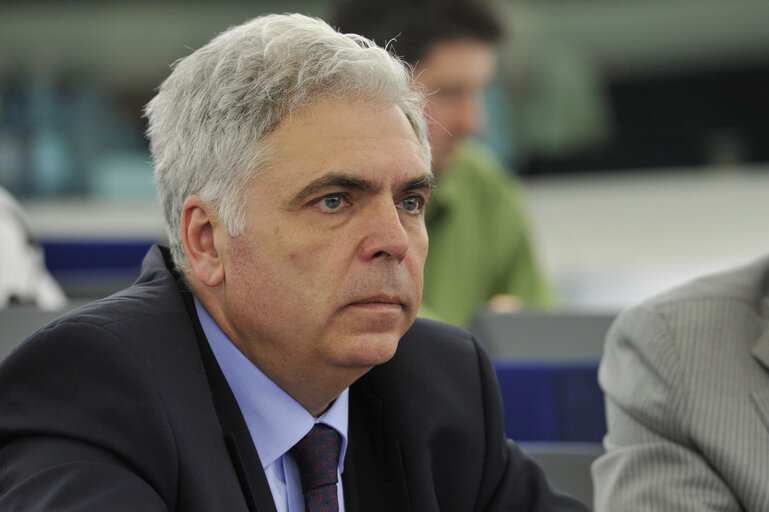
(120,405)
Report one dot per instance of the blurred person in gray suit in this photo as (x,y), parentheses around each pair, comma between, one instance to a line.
(686,381)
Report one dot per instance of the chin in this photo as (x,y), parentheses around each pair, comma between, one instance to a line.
(370,350)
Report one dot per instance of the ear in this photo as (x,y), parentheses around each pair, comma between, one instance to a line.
(198,226)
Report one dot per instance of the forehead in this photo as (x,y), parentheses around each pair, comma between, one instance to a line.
(462,61)
(333,135)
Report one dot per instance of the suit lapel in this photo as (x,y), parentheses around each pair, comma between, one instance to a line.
(761,348)
(374,479)
(241,448)
(760,351)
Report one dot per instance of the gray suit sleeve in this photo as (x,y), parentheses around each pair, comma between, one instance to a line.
(652,462)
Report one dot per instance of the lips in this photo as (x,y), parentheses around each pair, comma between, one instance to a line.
(385,300)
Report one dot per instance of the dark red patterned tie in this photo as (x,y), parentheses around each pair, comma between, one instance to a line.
(317,457)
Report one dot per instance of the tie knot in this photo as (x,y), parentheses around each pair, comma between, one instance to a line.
(317,457)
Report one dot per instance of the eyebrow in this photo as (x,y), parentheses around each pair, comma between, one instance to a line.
(334,180)
(425,182)
(350,182)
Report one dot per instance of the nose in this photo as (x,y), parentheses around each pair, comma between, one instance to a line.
(384,234)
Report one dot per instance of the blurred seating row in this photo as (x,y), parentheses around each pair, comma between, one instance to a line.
(94,268)
(567,465)
(547,366)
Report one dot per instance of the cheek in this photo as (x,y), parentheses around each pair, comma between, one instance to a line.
(308,266)
(418,249)
(303,261)
(257,265)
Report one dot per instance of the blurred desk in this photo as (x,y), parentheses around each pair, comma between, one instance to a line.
(567,466)
(18,322)
(547,366)
(543,335)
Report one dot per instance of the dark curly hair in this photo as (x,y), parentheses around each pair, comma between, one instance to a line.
(411,27)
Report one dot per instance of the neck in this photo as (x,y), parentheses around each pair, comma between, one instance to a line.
(312,389)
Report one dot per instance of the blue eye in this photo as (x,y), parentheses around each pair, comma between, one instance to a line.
(332,201)
(411,204)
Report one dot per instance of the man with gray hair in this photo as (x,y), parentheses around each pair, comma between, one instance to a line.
(270,359)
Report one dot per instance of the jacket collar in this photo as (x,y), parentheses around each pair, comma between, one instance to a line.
(761,347)
(245,459)
(760,351)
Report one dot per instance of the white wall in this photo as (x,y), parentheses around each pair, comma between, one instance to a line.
(610,240)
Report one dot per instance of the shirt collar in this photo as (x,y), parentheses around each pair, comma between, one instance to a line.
(275,420)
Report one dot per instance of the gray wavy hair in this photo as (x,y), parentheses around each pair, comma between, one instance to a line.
(209,123)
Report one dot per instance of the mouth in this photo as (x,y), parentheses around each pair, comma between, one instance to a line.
(380,302)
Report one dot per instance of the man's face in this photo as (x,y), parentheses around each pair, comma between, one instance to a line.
(454,72)
(327,276)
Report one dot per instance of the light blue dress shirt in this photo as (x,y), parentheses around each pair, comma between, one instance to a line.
(275,420)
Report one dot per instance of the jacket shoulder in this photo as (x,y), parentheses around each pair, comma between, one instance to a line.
(746,283)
